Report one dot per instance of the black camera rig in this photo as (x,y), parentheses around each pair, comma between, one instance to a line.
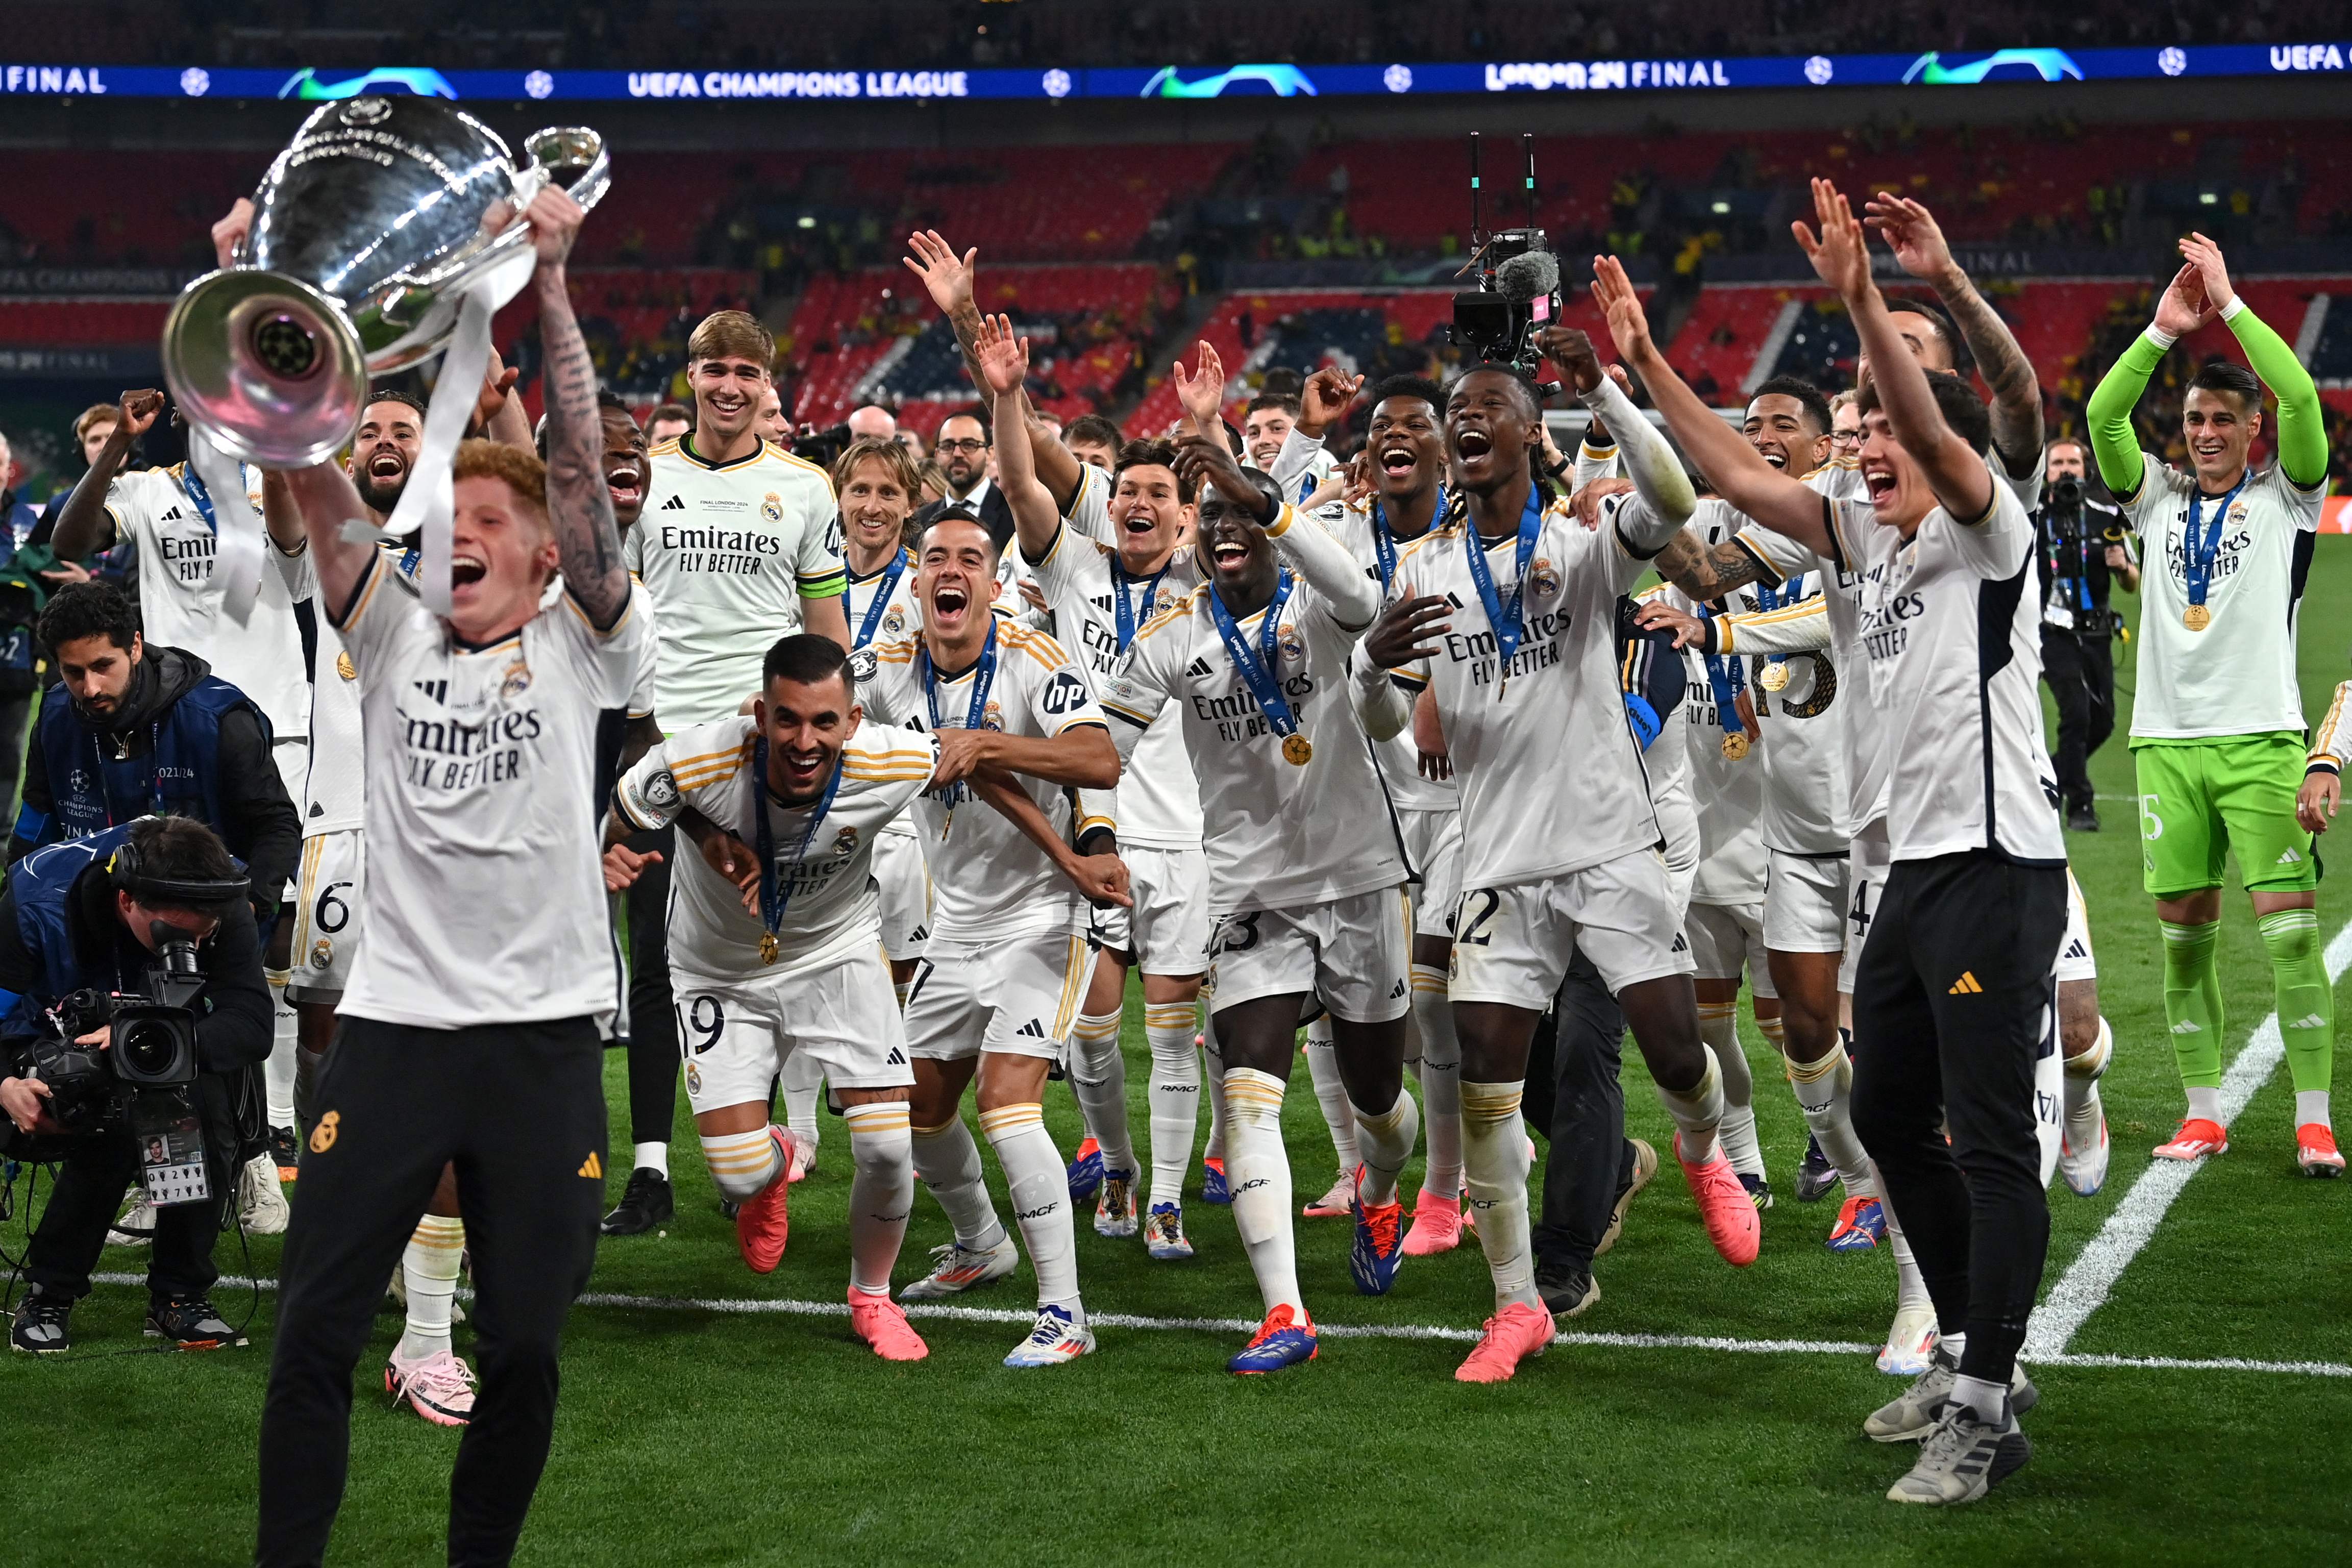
(1517,277)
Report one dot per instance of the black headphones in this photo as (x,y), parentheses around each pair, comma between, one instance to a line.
(123,871)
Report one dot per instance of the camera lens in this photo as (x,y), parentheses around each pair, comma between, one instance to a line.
(148,1049)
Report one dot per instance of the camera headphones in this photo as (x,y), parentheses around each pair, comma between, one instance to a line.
(124,872)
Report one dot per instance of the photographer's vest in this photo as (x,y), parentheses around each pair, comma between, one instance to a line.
(41,884)
(178,777)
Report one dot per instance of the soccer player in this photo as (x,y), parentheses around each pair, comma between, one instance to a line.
(1534,724)
(773,950)
(2217,728)
(999,983)
(468,1029)
(737,543)
(1305,876)
(1953,994)
(1101,596)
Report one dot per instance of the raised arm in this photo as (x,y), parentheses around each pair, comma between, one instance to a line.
(1739,471)
(326,499)
(1911,231)
(2302,426)
(82,527)
(1322,561)
(587,541)
(2179,310)
(1323,405)
(1203,393)
(949,280)
(1003,361)
(1841,253)
(1649,461)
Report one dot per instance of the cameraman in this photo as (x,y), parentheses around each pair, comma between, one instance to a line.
(2083,554)
(84,916)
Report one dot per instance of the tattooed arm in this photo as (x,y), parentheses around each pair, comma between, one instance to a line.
(579,506)
(1706,571)
(1918,244)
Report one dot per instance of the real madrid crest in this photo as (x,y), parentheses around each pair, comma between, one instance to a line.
(1542,577)
(1292,647)
(516,681)
(322,954)
(844,843)
(895,622)
(772,507)
(993,715)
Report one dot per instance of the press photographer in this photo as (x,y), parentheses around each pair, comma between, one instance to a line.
(136,1017)
(2084,556)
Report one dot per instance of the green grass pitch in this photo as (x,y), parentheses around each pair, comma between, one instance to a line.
(692,1434)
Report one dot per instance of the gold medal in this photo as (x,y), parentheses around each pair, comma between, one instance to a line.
(345,668)
(1772,676)
(1297,748)
(767,947)
(1735,746)
(2197,618)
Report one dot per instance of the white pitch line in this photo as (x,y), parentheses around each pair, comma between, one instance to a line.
(787,1307)
(2083,1289)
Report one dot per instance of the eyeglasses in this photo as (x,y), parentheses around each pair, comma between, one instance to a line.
(1845,438)
(969,444)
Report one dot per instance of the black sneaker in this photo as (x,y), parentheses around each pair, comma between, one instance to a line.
(1566,1291)
(645,1203)
(1759,1191)
(39,1326)
(729,1208)
(2082,819)
(190,1323)
(1815,1174)
(284,1150)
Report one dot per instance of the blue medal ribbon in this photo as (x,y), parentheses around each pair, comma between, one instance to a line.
(984,676)
(1505,615)
(1770,597)
(194,484)
(1384,539)
(2198,553)
(1128,618)
(1256,668)
(776,891)
(886,586)
(1726,674)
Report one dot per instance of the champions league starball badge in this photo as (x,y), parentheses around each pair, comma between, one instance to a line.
(1735,746)
(1296,749)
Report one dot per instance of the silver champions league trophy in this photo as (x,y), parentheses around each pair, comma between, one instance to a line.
(383,235)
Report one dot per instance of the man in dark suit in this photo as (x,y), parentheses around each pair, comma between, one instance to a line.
(962,449)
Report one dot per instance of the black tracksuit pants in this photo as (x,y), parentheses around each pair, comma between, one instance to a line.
(520,1110)
(653,1015)
(1577,1100)
(90,1182)
(1952,1002)
(2081,674)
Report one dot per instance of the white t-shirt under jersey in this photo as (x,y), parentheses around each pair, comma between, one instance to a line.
(483,901)
(726,551)
(2238,675)
(180,600)
(831,908)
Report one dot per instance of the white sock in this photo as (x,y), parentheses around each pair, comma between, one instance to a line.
(1257,1168)
(1718,1025)
(803,1081)
(1910,1287)
(1213,1078)
(1175,1100)
(881,1191)
(2082,1075)
(2049,1102)
(1038,1184)
(1098,1080)
(899,990)
(284,1034)
(428,1268)
(1494,1175)
(651,1157)
(1441,1081)
(1983,1399)
(2311,1105)
(1323,1066)
(1698,1113)
(947,1158)
(2204,1104)
(1824,1092)
(1386,1143)
(742,1165)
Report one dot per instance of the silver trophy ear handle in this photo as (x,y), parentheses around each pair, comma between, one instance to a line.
(560,149)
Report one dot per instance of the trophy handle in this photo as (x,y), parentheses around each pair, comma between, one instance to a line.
(559,148)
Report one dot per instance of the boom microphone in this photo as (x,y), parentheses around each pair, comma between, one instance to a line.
(1527,278)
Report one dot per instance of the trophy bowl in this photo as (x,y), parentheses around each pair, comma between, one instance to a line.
(367,231)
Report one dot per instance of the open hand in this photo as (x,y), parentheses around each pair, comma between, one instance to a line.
(1394,639)
(1003,358)
(2184,306)
(1629,324)
(1841,258)
(733,859)
(1911,232)
(961,752)
(1327,394)
(1203,393)
(21,1099)
(2206,257)
(1585,504)
(1207,460)
(1689,630)
(948,281)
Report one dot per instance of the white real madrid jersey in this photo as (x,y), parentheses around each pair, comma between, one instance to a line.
(896,614)
(180,601)
(987,880)
(1727,794)
(483,901)
(831,907)
(1351,524)
(727,551)
(1158,799)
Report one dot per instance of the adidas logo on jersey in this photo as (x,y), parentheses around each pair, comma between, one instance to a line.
(2313,1022)
(1396,991)
(437,690)
(897,1058)
(1966,985)
(1033,1030)
(675,504)
(1681,944)
(1198,669)
(2187,1026)
(2075,949)
(173,516)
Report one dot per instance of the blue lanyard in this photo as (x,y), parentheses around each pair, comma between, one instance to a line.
(1127,614)
(886,585)
(1766,598)
(1257,669)
(1505,615)
(2198,554)
(1726,674)
(1385,541)
(983,676)
(194,484)
(775,892)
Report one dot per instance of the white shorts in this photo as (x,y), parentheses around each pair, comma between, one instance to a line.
(2075,961)
(1727,938)
(1169,931)
(1353,954)
(1512,945)
(1805,905)
(327,915)
(1432,846)
(735,1035)
(1865,880)
(903,880)
(1017,995)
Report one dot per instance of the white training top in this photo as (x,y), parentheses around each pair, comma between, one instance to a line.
(180,602)
(1158,800)
(727,551)
(483,899)
(988,881)
(831,907)
(1278,834)
(2238,675)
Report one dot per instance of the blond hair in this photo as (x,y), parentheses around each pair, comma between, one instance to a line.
(522,471)
(97,412)
(732,335)
(896,460)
